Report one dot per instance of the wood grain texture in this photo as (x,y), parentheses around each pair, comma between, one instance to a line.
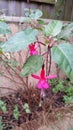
(64,8)
(45,1)
(68,10)
(16,7)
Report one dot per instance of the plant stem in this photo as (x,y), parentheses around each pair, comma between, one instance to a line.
(49,61)
(19,84)
(57,70)
(41,43)
(27,82)
(20,59)
(39,46)
(15,71)
(8,88)
(44,53)
(47,64)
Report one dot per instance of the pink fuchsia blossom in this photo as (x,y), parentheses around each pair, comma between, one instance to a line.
(43,83)
(33,49)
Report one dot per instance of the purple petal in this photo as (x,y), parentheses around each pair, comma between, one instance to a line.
(51,77)
(36,45)
(35,52)
(42,84)
(43,93)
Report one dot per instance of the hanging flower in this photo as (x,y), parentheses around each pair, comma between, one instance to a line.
(33,49)
(42,83)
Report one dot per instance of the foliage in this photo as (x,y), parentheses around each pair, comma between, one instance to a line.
(0,51)
(59,86)
(68,100)
(67,88)
(3,106)
(70,128)
(53,28)
(2,125)
(16,112)
(62,55)
(20,40)
(32,13)
(4,28)
(32,65)
(56,37)
(27,109)
(53,32)
(66,32)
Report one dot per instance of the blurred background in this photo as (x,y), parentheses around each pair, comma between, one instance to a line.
(52,9)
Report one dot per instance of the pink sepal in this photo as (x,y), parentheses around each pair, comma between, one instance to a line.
(35,76)
(51,77)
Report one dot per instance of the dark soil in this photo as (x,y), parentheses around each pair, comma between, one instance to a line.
(36,105)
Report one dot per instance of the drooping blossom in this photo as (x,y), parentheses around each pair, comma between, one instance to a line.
(33,49)
(43,83)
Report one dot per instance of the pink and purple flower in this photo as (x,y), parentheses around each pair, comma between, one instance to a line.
(43,83)
(33,49)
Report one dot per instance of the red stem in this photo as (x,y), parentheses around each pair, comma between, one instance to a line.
(44,53)
(41,43)
(49,61)
(8,88)
(47,64)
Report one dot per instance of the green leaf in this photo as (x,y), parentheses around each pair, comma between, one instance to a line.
(0,51)
(26,106)
(16,112)
(2,125)
(20,40)
(53,28)
(28,111)
(63,56)
(2,20)
(1,42)
(68,100)
(3,106)
(4,28)
(33,13)
(66,32)
(32,65)
(41,21)
(70,129)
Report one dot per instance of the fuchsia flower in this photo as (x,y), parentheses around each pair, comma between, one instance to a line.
(43,84)
(32,49)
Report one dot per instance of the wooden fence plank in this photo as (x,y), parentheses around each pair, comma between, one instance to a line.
(68,9)
(4,6)
(45,1)
(18,8)
(72,15)
(64,8)
(12,7)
